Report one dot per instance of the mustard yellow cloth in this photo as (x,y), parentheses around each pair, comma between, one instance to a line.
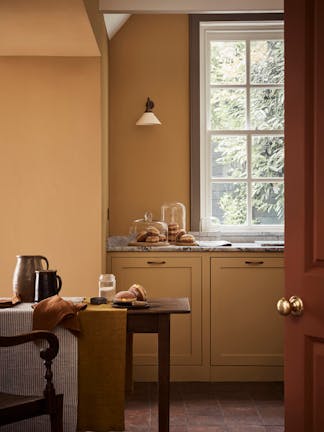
(101,371)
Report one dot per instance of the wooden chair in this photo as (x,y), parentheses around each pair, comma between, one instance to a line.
(14,408)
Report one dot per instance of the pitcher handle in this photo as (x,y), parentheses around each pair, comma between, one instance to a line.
(45,259)
(59,284)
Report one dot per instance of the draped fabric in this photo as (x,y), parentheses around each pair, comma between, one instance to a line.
(89,369)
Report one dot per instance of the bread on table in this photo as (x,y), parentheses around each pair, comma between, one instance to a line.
(124,297)
(138,291)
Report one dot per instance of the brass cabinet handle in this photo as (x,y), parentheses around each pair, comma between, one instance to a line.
(156,262)
(293,306)
(254,262)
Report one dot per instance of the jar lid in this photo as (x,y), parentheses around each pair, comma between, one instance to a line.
(107,277)
(147,223)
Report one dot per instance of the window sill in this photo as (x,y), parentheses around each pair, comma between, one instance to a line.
(240,237)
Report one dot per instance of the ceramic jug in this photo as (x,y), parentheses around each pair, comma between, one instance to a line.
(24,275)
(47,284)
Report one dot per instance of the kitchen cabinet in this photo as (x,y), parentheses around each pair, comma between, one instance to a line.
(246,330)
(233,333)
(165,276)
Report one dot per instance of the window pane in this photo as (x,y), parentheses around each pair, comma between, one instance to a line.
(229,203)
(267,62)
(267,108)
(227,62)
(267,156)
(228,156)
(268,203)
(228,109)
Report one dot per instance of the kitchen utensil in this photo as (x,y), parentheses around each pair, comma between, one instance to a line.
(47,284)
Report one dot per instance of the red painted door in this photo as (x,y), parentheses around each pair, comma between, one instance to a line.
(304,251)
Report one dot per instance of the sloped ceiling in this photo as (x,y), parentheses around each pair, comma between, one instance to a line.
(114,22)
(45,28)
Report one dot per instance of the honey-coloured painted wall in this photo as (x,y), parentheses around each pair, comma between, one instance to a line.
(53,140)
(148,165)
(50,167)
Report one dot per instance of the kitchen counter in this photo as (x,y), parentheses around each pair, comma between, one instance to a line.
(204,246)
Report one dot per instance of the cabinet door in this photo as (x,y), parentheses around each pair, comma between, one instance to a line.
(166,277)
(246,329)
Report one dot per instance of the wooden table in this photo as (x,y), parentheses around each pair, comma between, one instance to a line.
(155,319)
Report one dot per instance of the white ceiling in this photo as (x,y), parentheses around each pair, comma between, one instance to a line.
(188,6)
(114,19)
(117,12)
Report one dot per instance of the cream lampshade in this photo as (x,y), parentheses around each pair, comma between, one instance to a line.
(148,118)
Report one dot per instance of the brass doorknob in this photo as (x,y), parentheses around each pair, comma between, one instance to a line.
(293,306)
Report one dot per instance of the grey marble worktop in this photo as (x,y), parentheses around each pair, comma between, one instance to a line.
(118,244)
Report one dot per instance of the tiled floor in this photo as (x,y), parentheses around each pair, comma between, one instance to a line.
(209,407)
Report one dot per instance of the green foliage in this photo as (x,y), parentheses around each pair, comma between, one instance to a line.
(233,206)
(228,112)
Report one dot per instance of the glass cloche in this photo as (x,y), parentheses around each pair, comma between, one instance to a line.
(174,214)
(148,232)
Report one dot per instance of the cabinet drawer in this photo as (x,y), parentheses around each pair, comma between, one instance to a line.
(153,262)
(257,262)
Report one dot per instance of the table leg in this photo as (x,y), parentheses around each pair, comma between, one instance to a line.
(129,385)
(164,372)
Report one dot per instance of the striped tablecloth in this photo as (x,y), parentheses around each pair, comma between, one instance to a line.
(22,370)
(89,370)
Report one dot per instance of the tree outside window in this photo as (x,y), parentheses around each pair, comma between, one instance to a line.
(244,128)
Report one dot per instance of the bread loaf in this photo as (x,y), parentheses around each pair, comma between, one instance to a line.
(124,296)
(138,291)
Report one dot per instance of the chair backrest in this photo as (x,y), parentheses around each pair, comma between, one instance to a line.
(47,354)
(50,403)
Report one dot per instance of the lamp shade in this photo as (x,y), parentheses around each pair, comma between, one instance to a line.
(148,118)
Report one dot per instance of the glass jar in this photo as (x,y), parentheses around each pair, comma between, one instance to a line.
(149,232)
(107,286)
(174,214)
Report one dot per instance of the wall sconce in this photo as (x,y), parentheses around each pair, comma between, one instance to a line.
(148,118)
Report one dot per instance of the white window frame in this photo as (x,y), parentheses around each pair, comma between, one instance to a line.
(263,30)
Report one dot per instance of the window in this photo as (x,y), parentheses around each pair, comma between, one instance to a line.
(241,126)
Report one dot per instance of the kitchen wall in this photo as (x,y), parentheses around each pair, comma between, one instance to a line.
(148,165)
(52,157)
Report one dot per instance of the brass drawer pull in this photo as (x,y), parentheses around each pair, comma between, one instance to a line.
(156,262)
(254,262)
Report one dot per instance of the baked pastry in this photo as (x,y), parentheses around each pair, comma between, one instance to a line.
(187,238)
(172,226)
(139,291)
(173,229)
(152,239)
(124,297)
(151,231)
(162,238)
(141,236)
(180,234)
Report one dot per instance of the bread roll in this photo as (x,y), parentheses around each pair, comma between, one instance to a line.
(152,239)
(151,231)
(180,234)
(139,291)
(124,296)
(187,238)
(141,236)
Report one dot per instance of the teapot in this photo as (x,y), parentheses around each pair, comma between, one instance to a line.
(24,275)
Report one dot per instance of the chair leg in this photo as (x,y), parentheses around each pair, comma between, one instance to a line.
(57,417)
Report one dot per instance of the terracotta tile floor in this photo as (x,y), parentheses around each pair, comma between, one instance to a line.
(209,407)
